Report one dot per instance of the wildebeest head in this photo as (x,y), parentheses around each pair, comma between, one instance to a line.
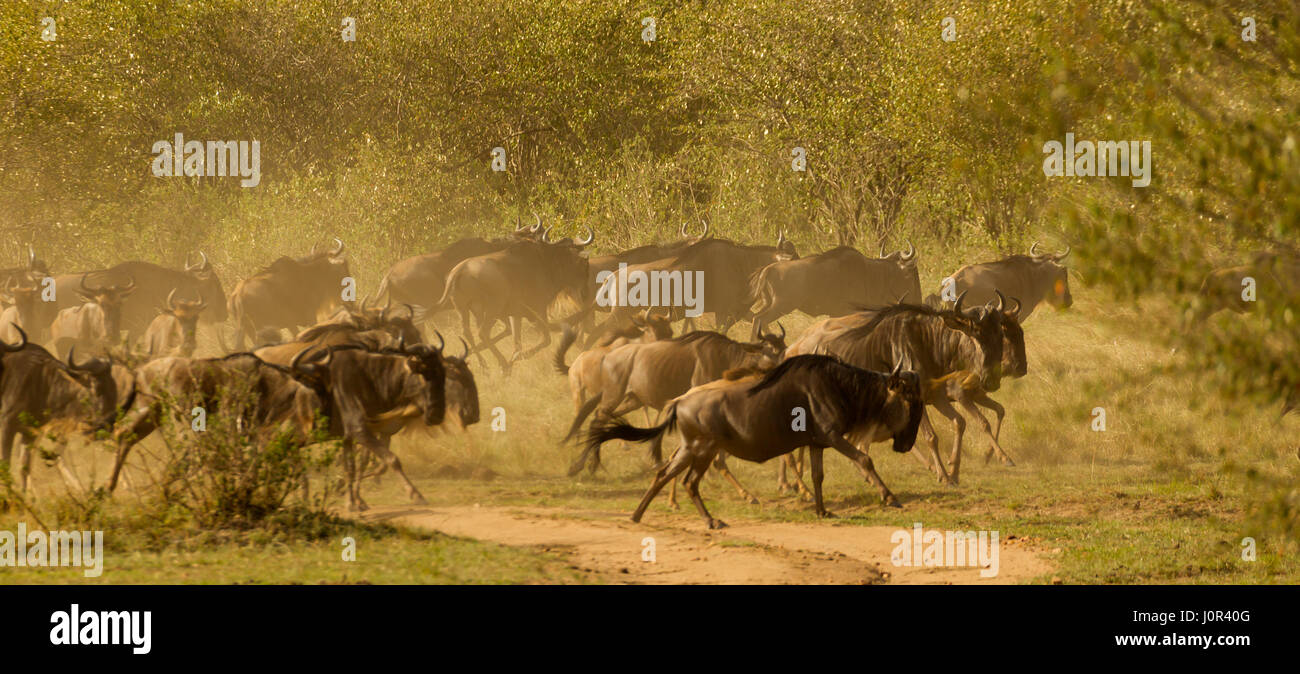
(904,388)
(906,262)
(785,248)
(524,232)
(187,314)
(96,374)
(462,391)
(773,347)
(653,327)
(984,325)
(1049,265)
(109,298)
(208,285)
(1014,361)
(567,266)
(426,361)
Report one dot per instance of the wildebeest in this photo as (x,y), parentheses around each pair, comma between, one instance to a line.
(515,284)
(23,300)
(373,329)
(420,280)
(95,325)
(31,271)
(652,374)
(834,282)
(844,406)
(725,267)
(153,284)
(1037,277)
(289,293)
(375,394)
(173,332)
(278,401)
(932,343)
(36,389)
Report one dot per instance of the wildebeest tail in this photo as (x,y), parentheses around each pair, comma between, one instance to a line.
(566,340)
(760,291)
(620,430)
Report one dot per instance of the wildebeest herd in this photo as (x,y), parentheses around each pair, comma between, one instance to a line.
(362,370)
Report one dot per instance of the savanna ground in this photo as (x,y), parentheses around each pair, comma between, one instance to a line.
(1149,500)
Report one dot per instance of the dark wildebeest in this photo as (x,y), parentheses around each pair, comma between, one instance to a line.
(374,395)
(279,402)
(373,329)
(1037,277)
(173,332)
(652,374)
(420,280)
(290,293)
(95,325)
(36,389)
(153,284)
(844,406)
(834,283)
(932,343)
(515,284)
(601,265)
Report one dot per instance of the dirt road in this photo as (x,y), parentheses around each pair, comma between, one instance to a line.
(609,548)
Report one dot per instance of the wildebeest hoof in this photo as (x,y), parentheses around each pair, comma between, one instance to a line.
(753,500)
(892,502)
(1008,462)
(717,524)
(827,515)
(419,500)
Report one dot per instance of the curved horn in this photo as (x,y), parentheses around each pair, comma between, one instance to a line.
(22,339)
(536,225)
(441,342)
(130,284)
(465,345)
(72,362)
(780,238)
(957,307)
(911,251)
(519,223)
(338,247)
(683,229)
(31,257)
(898,369)
(546,234)
(591,236)
(203,303)
(297,358)
(204,264)
(1033,250)
(778,324)
(1002,300)
(410,311)
(171,300)
(705,233)
(882,251)
(1061,256)
(83,283)
(1015,311)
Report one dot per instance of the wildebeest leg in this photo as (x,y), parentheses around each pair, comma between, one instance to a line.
(988,429)
(958,430)
(136,427)
(815,460)
(982,398)
(350,478)
(28,449)
(699,466)
(932,460)
(584,409)
(795,459)
(863,462)
(385,455)
(680,461)
(540,322)
(720,464)
(467,330)
(484,334)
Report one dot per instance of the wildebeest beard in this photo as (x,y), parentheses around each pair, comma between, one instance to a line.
(906,438)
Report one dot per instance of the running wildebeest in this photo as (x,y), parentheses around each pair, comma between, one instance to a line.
(95,325)
(153,284)
(23,311)
(37,389)
(652,374)
(1037,277)
(278,402)
(289,293)
(834,282)
(420,280)
(844,406)
(516,284)
(173,332)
